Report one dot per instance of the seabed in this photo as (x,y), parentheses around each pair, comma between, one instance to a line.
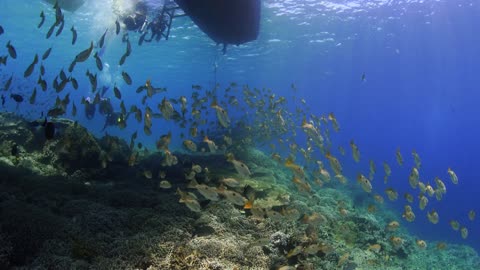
(60,208)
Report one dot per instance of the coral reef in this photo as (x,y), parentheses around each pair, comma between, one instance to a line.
(60,210)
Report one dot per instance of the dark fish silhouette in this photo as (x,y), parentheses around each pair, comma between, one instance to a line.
(98,61)
(42,83)
(17,98)
(72,66)
(46,53)
(74,109)
(122,60)
(117,92)
(74,35)
(42,70)
(3,100)
(62,75)
(102,40)
(42,16)
(6,87)
(33,96)
(50,31)
(74,83)
(60,29)
(83,55)
(2,31)
(126,78)
(11,50)
(31,67)
(58,14)
(3,60)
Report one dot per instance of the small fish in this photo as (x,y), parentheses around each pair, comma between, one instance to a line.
(93,80)
(117,27)
(126,78)
(42,70)
(393,226)
(50,31)
(240,167)
(211,144)
(42,19)
(72,66)
(31,67)
(102,39)
(363,77)
(414,178)
(231,182)
(46,53)
(74,35)
(421,244)
(58,13)
(164,141)
(399,157)
(3,100)
(62,75)
(83,55)
(433,216)
(222,115)
(408,214)
(408,197)
(190,145)
(117,92)
(233,197)
(6,87)
(378,198)
(441,245)
(391,194)
(416,159)
(423,201)
(3,60)
(455,225)
(42,83)
(164,184)
(74,109)
(60,29)
(355,151)
(334,163)
(1,30)
(147,174)
(98,61)
(74,83)
(333,119)
(11,50)
(122,59)
(190,200)
(453,176)
(129,48)
(364,183)
(18,98)
(33,96)
(464,232)
(166,108)
(471,215)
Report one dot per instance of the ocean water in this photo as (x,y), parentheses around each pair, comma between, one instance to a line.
(420,61)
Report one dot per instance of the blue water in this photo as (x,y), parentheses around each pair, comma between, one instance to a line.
(421,61)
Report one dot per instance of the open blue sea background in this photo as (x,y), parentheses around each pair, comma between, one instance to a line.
(421,61)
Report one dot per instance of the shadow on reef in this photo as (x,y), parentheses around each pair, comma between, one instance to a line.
(78,202)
